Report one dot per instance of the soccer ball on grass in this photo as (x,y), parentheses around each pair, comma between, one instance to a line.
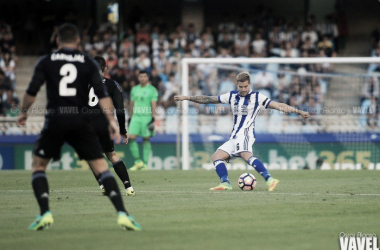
(247,182)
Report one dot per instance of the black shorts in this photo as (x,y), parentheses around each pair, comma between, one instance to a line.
(80,135)
(101,129)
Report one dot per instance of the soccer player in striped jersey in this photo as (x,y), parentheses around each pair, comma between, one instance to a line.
(246,105)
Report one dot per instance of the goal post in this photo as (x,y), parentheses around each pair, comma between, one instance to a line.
(186,62)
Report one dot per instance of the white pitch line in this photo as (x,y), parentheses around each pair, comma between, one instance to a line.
(207,192)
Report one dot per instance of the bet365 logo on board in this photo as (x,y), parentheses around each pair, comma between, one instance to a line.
(358,241)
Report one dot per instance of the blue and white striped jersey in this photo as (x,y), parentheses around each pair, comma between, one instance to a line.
(245,110)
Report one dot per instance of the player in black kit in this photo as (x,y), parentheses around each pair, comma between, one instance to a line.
(67,73)
(100,124)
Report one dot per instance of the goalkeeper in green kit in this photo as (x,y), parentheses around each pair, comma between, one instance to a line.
(141,122)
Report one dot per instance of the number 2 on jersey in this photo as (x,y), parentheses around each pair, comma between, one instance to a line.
(92,98)
(69,73)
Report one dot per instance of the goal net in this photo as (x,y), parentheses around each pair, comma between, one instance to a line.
(341,94)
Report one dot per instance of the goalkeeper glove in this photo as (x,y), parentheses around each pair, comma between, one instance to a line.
(151,124)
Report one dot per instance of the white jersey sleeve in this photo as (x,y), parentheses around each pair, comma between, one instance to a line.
(264,100)
(225,98)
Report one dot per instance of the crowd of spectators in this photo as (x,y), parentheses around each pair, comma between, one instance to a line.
(157,49)
(8,59)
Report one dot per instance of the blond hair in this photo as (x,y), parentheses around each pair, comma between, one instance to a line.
(243,76)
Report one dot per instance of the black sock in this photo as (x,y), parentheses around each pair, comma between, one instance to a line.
(41,190)
(112,190)
(122,172)
(97,177)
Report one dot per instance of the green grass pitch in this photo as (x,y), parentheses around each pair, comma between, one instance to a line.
(177,211)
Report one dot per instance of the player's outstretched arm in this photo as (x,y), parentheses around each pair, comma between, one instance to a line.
(202,99)
(288,109)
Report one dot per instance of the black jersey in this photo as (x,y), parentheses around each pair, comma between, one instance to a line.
(67,73)
(115,92)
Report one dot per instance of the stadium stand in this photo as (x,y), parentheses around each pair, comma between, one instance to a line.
(159,48)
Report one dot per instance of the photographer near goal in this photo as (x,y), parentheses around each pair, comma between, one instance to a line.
(245,105)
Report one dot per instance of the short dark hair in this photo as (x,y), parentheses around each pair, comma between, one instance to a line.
(68,33)
(143,72)
(101,61)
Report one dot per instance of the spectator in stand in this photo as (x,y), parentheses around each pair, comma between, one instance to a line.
(209,35)
(98,44)
(225,35)
(128,42)
(204,43)
(224,53)
(259,46)
(242,43)
(191,35)
(7,43)
(370,89)
(160,44)
(309,47)
(175,58)
(109,41)
(373,67)
(276,37)
(289,51)
(195,52)
(181,33)
(326,45)
(143,62)
(282,88)
(155,33)
(227,24)
(291,35)
(126,70)
(226,43)
(264,80)
(7,63)
(329,29)
(88,46)
(6,93)
(143,34)
(309,33)
(142,47)
(179,43)
(241,31)
(160,62)
(128,59)
(324,67)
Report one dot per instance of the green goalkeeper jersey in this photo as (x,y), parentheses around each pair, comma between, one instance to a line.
(142,98)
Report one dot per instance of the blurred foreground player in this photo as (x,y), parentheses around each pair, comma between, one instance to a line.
(245,105)
(100,124)
(67,73)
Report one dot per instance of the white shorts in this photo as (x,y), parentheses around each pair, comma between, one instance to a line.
(240,144)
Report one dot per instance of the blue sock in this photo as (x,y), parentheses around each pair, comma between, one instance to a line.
(221,170)
(259,167)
